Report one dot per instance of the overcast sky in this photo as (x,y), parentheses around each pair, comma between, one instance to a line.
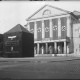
(15,12)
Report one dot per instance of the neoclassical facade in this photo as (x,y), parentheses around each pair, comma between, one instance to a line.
(53,31)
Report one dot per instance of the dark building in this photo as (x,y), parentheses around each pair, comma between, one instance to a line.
(18,42)
(1,45)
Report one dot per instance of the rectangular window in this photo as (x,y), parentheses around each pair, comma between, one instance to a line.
(55,28)
(47,28)
(31,27)
(39,30)
(63,27)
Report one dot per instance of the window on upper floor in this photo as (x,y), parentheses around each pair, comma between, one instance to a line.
(46,12)
(31,24)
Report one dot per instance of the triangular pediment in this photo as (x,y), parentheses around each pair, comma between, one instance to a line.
(47,11)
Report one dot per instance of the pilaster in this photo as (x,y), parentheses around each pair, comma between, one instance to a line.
(64,47)
(59,27)
(68,26)
(35,31)
(37,48)
(43,32)
(51,33)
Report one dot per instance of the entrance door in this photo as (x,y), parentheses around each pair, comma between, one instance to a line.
(42,50)
(51,48)
(60,47)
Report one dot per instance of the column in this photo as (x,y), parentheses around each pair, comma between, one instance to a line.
(59,28)
(35,31)
(42,49)
(55,47)
(58,49)
(51,33)
(46,48)
(43,32)
(68,49)
(64,47)
(37,48)
(68,27)
(68,30)
(34,51)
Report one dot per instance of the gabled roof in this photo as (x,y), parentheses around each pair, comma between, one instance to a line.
(18,28)
(55,11)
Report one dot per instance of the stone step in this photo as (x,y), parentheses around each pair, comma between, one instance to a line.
(49,55)
(44,55)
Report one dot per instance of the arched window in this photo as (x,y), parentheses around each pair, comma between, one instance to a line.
(46,12)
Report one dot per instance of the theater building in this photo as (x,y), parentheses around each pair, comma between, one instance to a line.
(53,31)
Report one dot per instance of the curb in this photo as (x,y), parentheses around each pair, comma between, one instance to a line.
(41,60)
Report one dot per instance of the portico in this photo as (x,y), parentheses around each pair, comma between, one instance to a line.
(51,48)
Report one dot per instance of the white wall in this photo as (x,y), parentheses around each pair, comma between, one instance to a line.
(76,38)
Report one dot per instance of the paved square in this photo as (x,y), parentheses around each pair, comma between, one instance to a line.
(40,68)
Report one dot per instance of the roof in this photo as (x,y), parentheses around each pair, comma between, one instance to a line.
(47,6)
(76,13)
(18,28)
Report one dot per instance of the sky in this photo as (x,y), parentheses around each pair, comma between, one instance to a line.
(16,12)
